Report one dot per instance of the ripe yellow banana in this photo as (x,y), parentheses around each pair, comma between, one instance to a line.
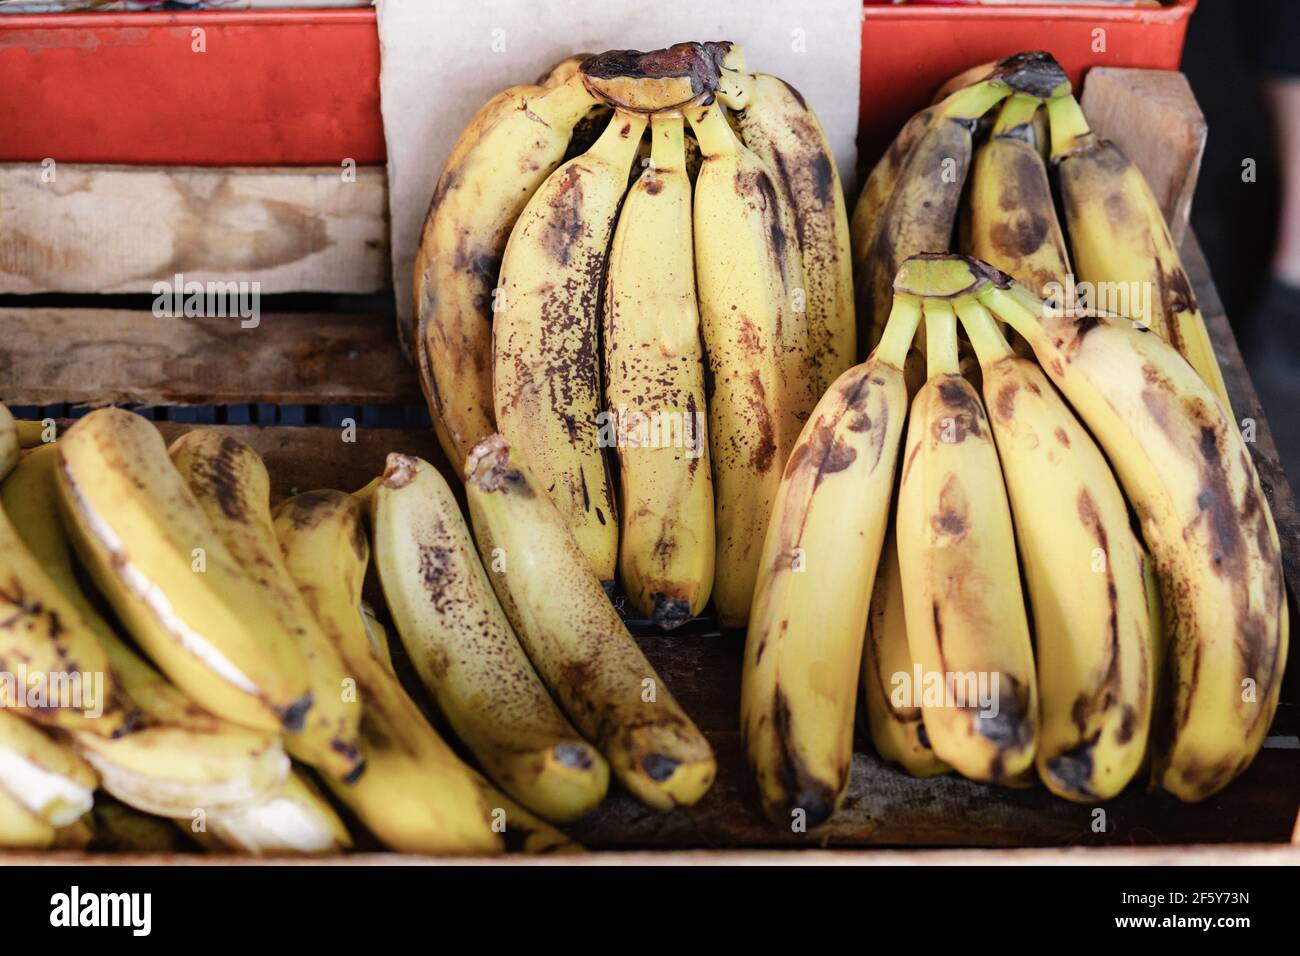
(909,203)
(416,795)
(199,614)
(966,622)
(1121,243)
(43,774)
(295,821)
(10,445)
(779,127)
(20,828)
(1190,479)
(799,685)
(546,335)
(1084,570)
(747,270)
(514,142)
(177,757)
(465,652)
(230,483)
(1010,214)
(577,641)
(898,731)
(654,390)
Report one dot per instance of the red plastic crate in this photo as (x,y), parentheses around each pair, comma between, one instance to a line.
(909,50)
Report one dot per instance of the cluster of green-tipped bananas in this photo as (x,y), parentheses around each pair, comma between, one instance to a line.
(1013,134)
(595,242)
(908,510)
(175,649)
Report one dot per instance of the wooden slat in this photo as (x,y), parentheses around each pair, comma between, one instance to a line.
(1154,118)
(103,356)
(123,228)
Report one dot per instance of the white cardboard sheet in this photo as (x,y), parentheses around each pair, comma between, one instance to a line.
(442,59)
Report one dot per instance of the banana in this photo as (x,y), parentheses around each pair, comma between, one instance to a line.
(578,642)
(897,731)
(510,147)
(524,832)
(1010,213)
(230,483)
(1084,570)
(803,653)
(35,434)
(965,614)
(1121,243)
(120,829)
(747,270)
(10,444)
(52,670)
(910,201)
(136,526)
(295,821)
(20,828)
(465,652)
(654,390)
(1189,477)
(777,125)
(415,796)
(43,774)
(177,757)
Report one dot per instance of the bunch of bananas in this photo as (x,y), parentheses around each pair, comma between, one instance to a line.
(1102,460)
(586,233)
(170,640)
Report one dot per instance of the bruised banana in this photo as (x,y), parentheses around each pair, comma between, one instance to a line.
(910,201)
(138,527)
(777,125)
(578,642)
(119,828)
(1121,242)
(546,333)
(177,757)
(1084,571)
(514,142)
(897,730)
(230,483)
(966,622)
(415,796)
(654,388)
(799,685)
(747,271)
(1189,477)
(1010,214)
(465,652)
(295,821)
(43,774)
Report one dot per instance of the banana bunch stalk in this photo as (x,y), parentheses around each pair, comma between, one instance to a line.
(591,299)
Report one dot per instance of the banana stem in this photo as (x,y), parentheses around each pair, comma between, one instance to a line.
(940,338)
(900,330)
(1012,310)
(618,143)
(667,142)
(562,107)
(1017,112)
(972,102)
(983,332)
(1070,130)
(712,131)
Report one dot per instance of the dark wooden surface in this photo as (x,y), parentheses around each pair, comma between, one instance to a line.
(119,356)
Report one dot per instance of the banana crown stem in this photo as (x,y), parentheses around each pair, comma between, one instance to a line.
(940,338)
(1069,127)
(900,330)
(972,102)
(983,332)
(712,131)
(620,140)
(1013,309)
(562,107)
(667,142)
(1016,113)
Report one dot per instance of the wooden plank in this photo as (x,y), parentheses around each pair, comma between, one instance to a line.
(104,356)
(85,228)
(1154,118)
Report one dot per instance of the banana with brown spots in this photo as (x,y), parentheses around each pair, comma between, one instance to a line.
(803,652)
(1204,516)
(578,642)
(466,653)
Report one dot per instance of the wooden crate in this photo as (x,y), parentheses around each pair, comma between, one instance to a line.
(95,356)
